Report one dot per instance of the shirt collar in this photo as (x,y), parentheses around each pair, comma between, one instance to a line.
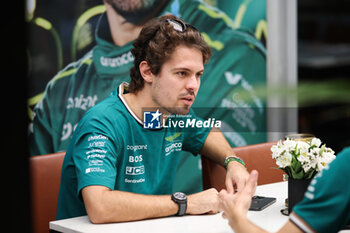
(123,89)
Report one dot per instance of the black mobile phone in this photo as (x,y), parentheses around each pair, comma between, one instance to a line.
(259,202)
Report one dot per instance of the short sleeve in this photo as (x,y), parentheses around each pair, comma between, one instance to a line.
(326,204)
(95,157)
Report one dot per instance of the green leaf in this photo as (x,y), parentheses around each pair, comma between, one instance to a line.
(310,174)
(297,174)
(288,171)
(294,160)
(298,167)
(295,152)
(294,174)
(322,149)
(297,171)
(312,147)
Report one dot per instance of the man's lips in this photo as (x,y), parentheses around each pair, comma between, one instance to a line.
(188,99)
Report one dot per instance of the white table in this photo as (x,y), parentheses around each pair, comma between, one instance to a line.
(270,219)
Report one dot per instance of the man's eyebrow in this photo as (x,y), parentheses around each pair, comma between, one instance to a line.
(186,69)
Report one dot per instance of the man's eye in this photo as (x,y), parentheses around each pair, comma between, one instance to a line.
(199,75)
(181,73)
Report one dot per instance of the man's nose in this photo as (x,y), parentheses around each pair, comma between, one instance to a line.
(193,83)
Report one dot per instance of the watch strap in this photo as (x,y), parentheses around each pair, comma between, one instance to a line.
(182,204)
(182,209)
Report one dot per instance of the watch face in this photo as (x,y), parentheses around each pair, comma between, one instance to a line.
(180,196)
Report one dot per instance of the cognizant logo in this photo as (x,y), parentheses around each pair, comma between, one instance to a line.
(136,147)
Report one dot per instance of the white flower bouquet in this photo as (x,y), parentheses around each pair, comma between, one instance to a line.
(300,159)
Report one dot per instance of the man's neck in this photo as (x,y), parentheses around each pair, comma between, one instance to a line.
(141,100)
(122,32)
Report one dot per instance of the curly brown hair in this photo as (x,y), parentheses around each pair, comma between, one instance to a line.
(156,43)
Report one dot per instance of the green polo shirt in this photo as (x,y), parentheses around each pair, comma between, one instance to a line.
(111,148)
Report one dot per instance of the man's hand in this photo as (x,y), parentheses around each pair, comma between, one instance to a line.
(236,175)
(217,148)
(203,202)
(235,206)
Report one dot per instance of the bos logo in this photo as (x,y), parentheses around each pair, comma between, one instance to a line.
(151,120)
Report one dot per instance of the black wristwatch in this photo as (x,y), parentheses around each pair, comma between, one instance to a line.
(181,199)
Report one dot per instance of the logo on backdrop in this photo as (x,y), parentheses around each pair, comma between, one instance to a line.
(151,120)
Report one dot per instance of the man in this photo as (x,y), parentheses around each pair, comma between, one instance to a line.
(118,170)
(325,207)
(227,84)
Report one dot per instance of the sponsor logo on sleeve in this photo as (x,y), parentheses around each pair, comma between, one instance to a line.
(96,162)
(94,169)
(96,154)
(97,140)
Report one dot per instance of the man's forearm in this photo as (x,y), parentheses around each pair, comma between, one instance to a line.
(106,206)
(216,147)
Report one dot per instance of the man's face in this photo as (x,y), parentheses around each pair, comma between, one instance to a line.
(177,84)
(131,5)
(137,11)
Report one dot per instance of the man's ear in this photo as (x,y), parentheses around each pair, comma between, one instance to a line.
(145,71)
